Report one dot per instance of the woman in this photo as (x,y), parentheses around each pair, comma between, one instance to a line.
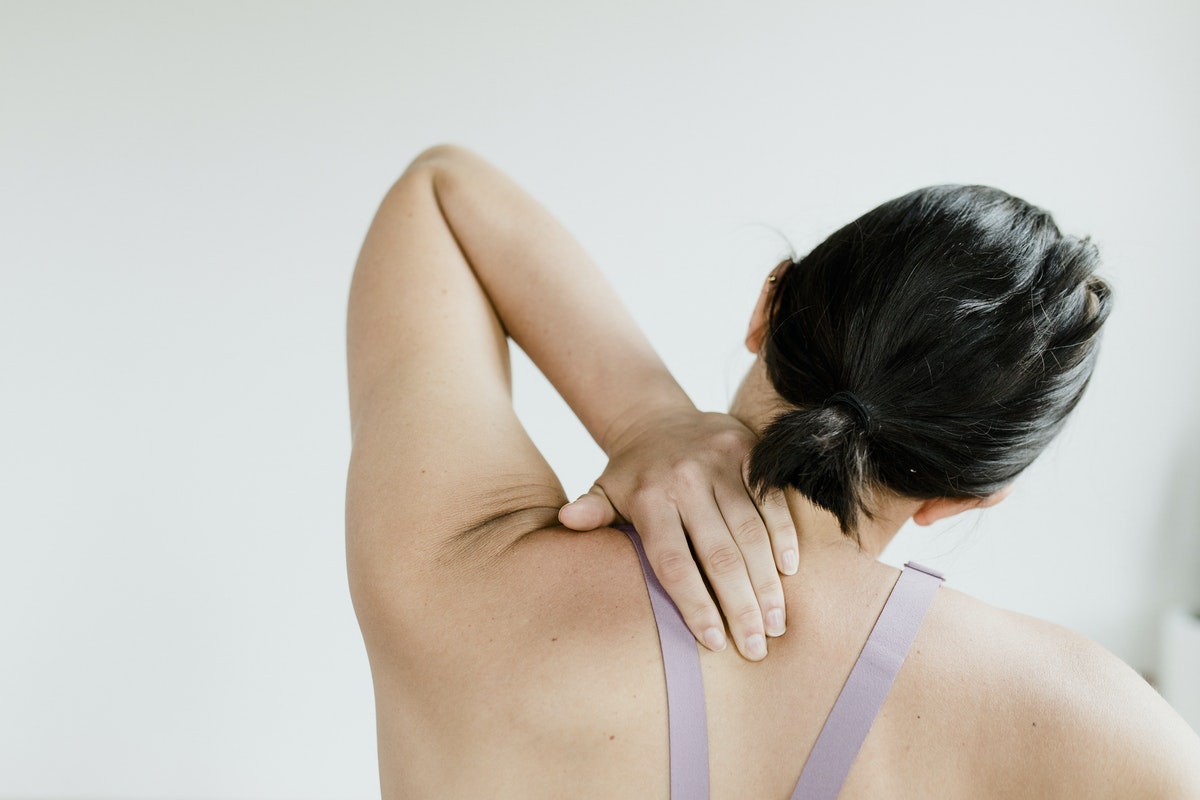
(909,367)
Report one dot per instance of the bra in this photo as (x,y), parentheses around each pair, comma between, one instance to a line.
(848,722)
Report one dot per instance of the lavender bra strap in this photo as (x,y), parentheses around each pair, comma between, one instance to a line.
(856,707)
(686,718)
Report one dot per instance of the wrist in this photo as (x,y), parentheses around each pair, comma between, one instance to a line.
(647,413)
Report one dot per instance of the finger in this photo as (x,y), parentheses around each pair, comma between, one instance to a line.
(667,551)
(727,573)
(784,544)
(774,512)
(592,510)
(753,540)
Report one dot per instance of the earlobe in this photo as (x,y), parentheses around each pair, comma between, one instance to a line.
(930,511)
(754,338)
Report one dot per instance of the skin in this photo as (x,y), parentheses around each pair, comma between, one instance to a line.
(514,657)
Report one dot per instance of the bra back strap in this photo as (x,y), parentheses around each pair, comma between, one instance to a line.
(861,698)
(687,719)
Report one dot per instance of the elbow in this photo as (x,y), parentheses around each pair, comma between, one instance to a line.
(440,155)
(436,165)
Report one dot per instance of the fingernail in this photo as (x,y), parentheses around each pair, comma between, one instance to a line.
(775,626)
(791,560)
(714,638)
(756,646)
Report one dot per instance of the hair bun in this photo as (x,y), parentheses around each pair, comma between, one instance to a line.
(851,401)
(819,451)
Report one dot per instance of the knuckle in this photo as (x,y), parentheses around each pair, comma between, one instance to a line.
(749,617)
(784,535)
(698,613)
(769,588)
(688,474)
(724,559)
(636,484)
(674,567)
(749,532)
(775,499)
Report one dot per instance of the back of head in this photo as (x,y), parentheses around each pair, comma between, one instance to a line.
(932,347)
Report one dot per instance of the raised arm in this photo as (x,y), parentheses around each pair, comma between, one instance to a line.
(459,256)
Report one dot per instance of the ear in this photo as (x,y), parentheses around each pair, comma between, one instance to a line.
(757,331)
(931,511)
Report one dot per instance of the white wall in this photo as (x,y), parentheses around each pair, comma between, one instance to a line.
(183,189)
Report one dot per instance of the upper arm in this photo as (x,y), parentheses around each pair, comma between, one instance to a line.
(1141,744)
(440,464)
(1118,733)
(1054,714)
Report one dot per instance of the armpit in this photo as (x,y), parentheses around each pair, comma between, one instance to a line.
(510,515)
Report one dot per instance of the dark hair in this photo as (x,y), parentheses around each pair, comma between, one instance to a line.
(932,347)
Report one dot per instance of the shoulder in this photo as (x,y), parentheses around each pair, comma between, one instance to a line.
(546,577)
(1069,713)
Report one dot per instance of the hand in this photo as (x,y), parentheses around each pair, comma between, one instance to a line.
(681,477)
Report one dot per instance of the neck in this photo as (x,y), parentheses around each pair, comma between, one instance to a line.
(819,533)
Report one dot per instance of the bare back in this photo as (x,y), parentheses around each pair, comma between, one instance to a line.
(541,676)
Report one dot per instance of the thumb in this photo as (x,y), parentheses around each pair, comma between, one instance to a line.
(592,510)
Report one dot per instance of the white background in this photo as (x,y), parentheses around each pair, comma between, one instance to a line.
(183,191)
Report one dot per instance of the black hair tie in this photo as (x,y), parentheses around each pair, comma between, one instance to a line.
(855,405)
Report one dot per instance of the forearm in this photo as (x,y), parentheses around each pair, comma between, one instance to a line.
(673,472)
(551,299)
